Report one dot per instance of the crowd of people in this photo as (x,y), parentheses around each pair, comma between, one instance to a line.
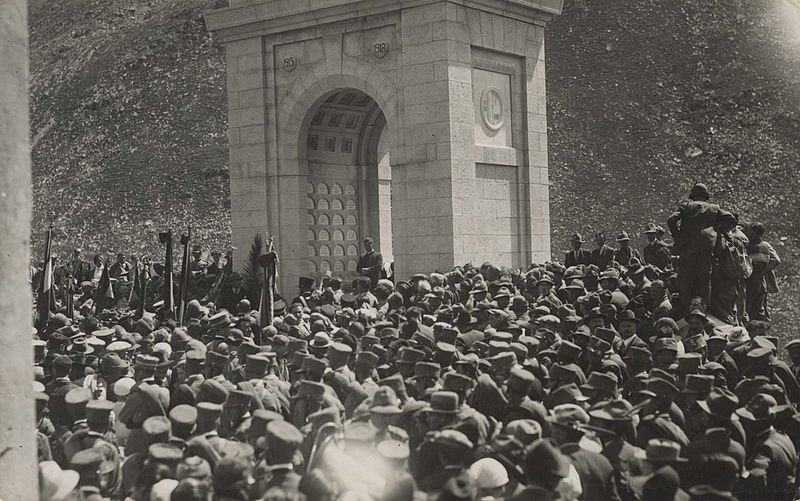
(617,374)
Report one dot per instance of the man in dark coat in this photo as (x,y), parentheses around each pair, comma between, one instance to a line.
(371,263)
(577,255)
(656,251)
(772,458)
(596,472)
(603,254)
(693,228)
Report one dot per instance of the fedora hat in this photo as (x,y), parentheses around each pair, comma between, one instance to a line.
(627,316)
(54,483)
(761,407)
(603,381)
(661,451)
(720,403)
(385,401)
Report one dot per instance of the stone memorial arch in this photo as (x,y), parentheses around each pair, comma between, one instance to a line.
(419,123)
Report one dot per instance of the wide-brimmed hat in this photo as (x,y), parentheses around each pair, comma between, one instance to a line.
(660,450)
(761,407)
(54,483)
(720,403)
(603,381)
(385,401)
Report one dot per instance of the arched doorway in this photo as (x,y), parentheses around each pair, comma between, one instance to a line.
(348,188)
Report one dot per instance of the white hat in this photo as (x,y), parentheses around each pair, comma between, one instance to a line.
(488,473)
(54,483)
(162,490)
(123,386)
(163,348)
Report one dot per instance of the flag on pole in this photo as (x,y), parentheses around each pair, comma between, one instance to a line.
(167,294)
(184,276)
(213,292)
(104,297)
(269,261)
(45,301)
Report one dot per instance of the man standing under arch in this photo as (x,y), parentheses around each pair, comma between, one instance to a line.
(371,263)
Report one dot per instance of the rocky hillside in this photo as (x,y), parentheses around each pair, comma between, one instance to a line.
(645,98)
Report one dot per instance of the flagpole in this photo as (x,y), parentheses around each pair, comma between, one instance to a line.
(45,283)
(184,275)
(169,299)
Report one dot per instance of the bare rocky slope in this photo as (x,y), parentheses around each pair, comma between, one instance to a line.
(645,97)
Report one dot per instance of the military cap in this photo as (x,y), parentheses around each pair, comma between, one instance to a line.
(313,366)
(367,359)
(638,353)
(698,314)
(496,347)
(794,344)
(395,382)
(531,343)
(569,415)
(338,353)
(238,398)
(393,449)
(78,398)
(757,354)
(454,381)
(118,346)
(665,343)
(98,411)
(598,346)
(698,384)
(443,402)
(348,300)
(248,347)
(520,381)
(208,412)
(385,401)
(427,369)
(256,365)
(689,363)
(220,319)
(564,372)
(212,390)
(87,459)
(694,343)
(157,428)
(520,350)
(662,387)
(576,237)
(502,360)
(311,389)
(261,418)
(568,351)
(566,394)
(165,453)
(283,438)
(448,334)
(602,381)
(452,439)
(183,415)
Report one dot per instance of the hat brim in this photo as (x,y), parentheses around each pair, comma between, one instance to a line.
(67,481)
(386,410)
(704,406)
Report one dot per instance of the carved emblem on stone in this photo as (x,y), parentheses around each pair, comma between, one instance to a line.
(380,48)
(492,108)
(289,63)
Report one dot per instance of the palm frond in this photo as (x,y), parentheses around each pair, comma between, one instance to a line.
(252,274)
